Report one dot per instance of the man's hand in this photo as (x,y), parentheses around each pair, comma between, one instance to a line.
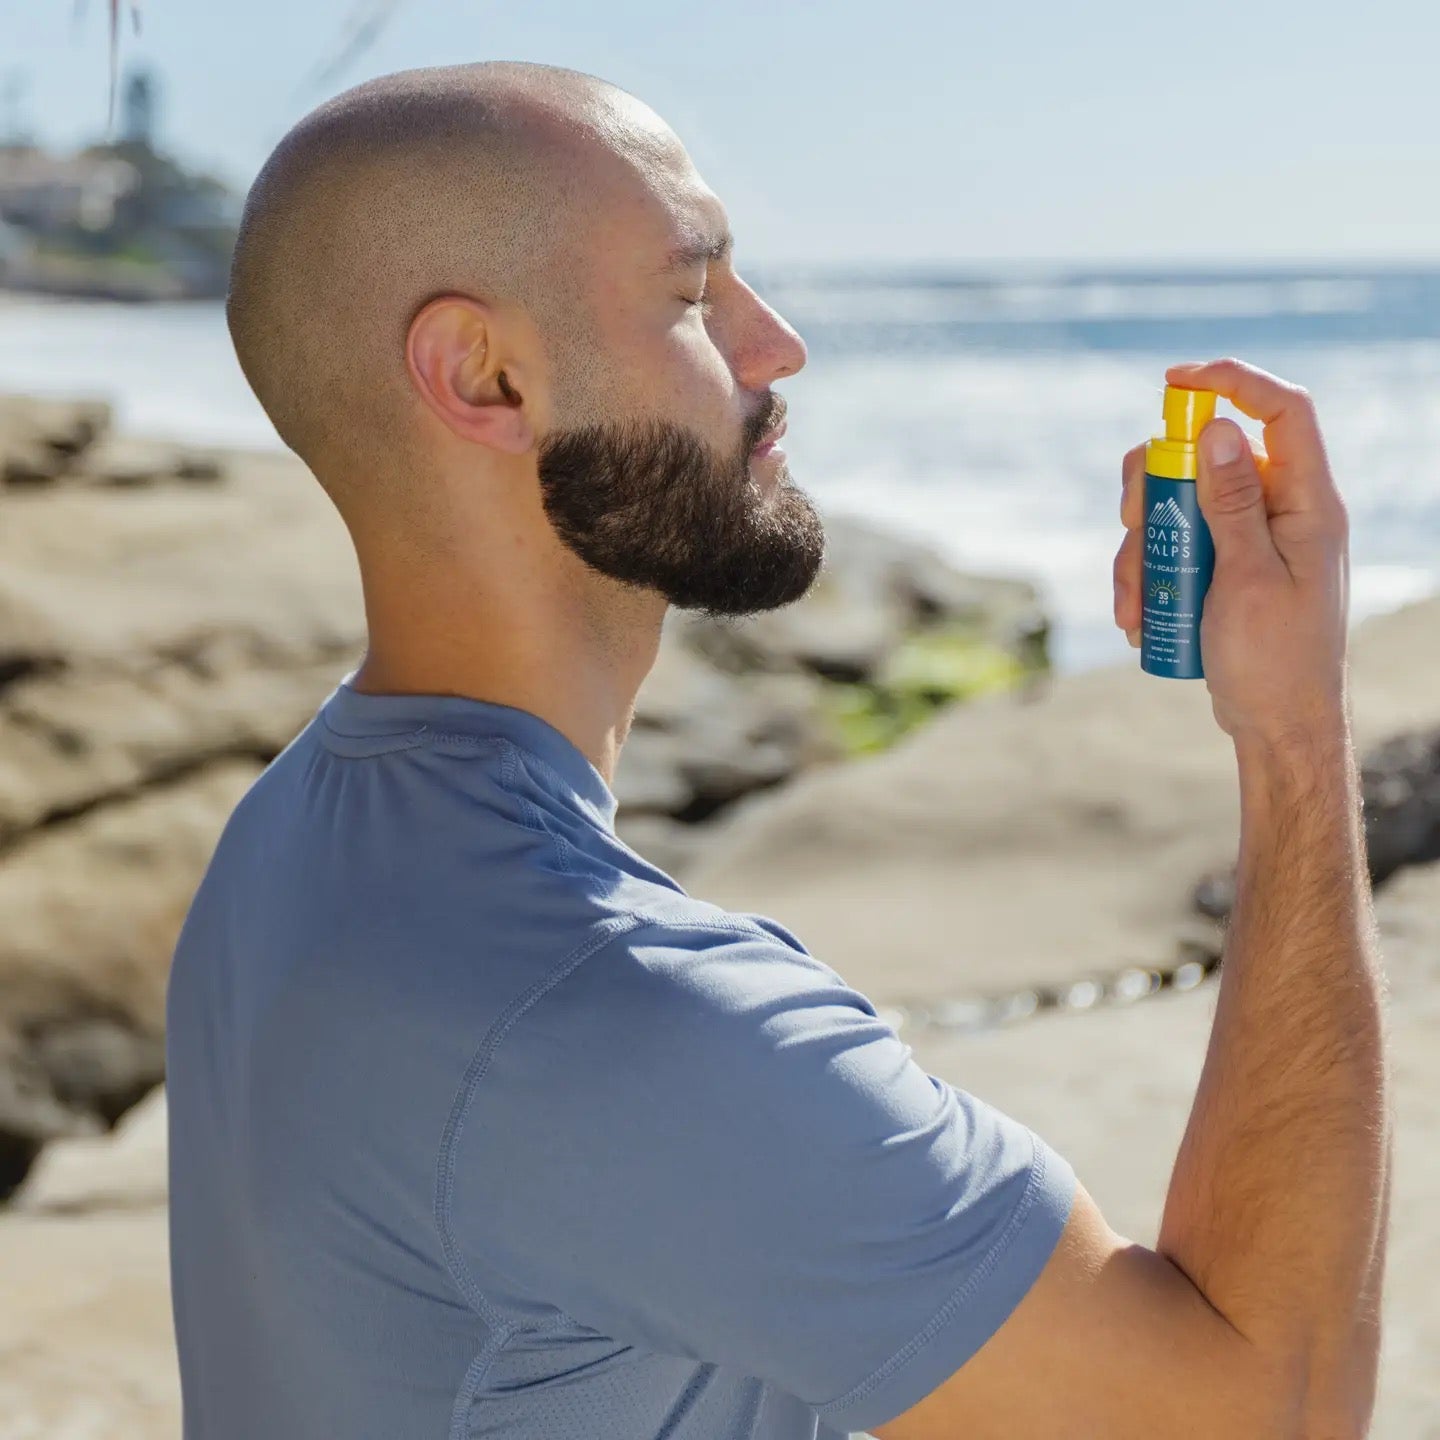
(1273,630)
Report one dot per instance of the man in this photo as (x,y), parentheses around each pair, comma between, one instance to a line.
(482,1125)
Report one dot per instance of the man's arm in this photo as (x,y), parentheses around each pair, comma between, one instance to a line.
(1275,1208)
(1258,1312)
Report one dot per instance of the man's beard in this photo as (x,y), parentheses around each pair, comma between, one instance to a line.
(649,503)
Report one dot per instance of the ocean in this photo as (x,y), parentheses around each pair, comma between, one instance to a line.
(985,414)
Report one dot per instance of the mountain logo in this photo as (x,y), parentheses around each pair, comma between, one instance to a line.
(1168,515)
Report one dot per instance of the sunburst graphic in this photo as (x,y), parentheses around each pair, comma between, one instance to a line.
(1167,513)
(1164,593)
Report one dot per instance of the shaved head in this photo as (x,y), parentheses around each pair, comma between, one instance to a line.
(463,178)
(492,306)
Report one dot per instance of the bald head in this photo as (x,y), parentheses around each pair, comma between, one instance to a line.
(470,179)
(494,309)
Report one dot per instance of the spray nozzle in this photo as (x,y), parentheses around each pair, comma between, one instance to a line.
(1187,413)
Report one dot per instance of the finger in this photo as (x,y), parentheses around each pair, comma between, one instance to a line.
(1301,468)
(1132,489)
(1128,579)
(1132,486)
(1133,636)
(1132,475)
(1232,498)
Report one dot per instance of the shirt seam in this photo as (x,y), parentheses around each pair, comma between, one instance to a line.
(446,1157)
(521,758)
(515,756)
(613,929)
(519,753)
(511,756)
(959,1297)
(512,762)
(385,744)
(532,758)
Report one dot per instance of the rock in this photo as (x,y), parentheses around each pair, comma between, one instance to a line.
(127,460)
(672,845)
(68,426)
(735,707)
(1013,844)
(1112,1090)
(39,438)
(1401,783)
(1400,786)
(874,589)
(30,1111)
(1407,910)
(25,462)
(123,1169)
(74,738)
(1006,844)
(159,644)
(1394,681)
(101,1064)
(93,906)
(1214,895)
(716,736)
(87,1337)
(702,738)
(200,465)
(148,632)
(649,778)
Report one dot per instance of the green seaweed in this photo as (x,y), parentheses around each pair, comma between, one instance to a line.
(931,670)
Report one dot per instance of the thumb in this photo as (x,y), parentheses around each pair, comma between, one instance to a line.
(1231,497)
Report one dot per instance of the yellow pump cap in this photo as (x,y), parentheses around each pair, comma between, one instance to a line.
(1174,455)
(1187,412)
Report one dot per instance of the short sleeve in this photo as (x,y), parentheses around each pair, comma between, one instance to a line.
(705,1143)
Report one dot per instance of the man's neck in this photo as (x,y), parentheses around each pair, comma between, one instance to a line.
(581,678)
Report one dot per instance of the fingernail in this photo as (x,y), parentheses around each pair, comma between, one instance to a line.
(1133,636)
(1222,444)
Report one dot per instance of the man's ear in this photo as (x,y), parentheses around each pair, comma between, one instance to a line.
(453,363)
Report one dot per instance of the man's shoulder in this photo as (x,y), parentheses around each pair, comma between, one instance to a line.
(688,1001)
(693,922)
(684,967)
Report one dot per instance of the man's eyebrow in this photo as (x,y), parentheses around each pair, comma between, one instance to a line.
(692,252)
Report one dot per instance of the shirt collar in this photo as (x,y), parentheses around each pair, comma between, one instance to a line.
(356,714)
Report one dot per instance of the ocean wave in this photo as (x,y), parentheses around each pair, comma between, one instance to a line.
(1021,303)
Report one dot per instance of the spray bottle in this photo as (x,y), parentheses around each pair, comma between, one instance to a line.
(1179,555)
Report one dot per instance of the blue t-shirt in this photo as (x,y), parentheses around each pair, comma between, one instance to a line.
(480,1125)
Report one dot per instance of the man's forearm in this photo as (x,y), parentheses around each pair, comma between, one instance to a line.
(1276,1204)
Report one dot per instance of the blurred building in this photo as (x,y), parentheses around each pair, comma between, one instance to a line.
(119,216)
(140,101)
(49,194)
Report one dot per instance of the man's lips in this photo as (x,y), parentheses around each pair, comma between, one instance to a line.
(771,438)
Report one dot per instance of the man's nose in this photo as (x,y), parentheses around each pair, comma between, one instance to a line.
(773,347)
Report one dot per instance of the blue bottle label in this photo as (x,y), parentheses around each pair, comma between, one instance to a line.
(1179,558)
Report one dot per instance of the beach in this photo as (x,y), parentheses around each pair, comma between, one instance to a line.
(1018,883)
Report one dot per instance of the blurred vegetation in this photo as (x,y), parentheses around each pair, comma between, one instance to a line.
(931,670)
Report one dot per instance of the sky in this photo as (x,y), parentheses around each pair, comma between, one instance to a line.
(907,133)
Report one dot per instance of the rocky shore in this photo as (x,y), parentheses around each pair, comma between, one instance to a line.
(1034,860)
(170,617)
